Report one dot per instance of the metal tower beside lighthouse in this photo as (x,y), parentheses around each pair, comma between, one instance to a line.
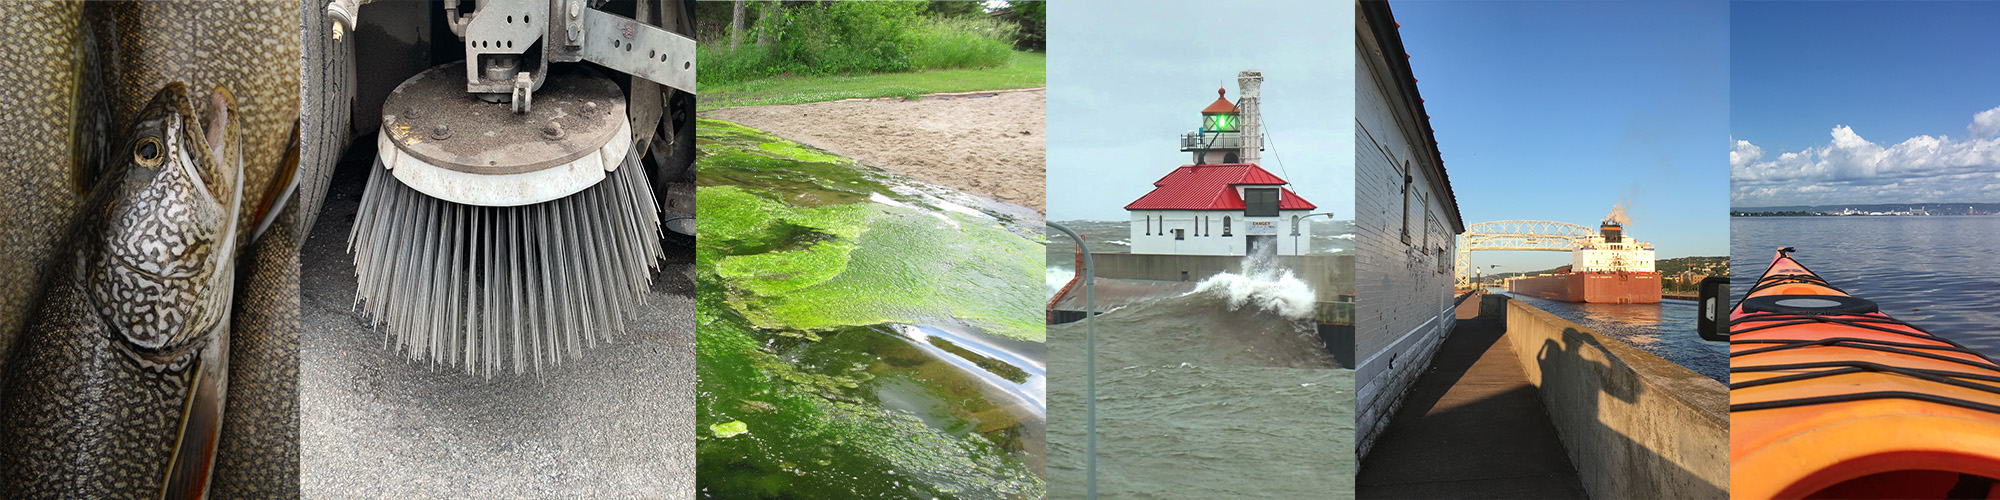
(1222,203)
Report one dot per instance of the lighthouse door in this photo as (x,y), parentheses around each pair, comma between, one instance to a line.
(1261,245)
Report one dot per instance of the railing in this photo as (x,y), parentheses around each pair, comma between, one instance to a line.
(1212,140)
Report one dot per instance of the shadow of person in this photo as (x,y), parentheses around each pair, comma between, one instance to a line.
(1610,444)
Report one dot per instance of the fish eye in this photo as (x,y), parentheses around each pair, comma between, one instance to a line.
(148,153)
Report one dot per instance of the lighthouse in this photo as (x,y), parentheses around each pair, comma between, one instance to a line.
(1222,203)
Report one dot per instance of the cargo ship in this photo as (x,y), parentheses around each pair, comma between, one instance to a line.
(1610,268)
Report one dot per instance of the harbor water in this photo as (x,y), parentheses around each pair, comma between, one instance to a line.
(1666,329)
(1936,272)
(1225,392)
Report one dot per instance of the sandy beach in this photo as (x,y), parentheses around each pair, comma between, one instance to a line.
(986,143)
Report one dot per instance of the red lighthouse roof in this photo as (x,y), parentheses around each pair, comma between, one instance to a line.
(1213,187)
(1221,105)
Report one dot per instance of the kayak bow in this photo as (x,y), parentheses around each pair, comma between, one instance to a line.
(1831,398)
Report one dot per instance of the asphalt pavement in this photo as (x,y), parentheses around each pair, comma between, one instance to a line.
(616,423)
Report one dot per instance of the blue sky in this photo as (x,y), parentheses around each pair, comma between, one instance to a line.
(1864,102)
(1121,93)
(1559,110)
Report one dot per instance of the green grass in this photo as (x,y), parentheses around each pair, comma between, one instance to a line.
(1023,70)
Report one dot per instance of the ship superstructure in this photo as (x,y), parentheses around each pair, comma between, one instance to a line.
(1610,267)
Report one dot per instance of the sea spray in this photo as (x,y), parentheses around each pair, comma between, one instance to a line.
(1275,291)
(1055,278)
(1264,285)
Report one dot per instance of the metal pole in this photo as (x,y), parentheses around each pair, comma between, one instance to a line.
(1295,230)
(1089,364)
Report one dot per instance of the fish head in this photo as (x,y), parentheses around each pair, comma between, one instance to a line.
(160,273)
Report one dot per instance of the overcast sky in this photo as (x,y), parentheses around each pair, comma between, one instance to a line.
(1126,78)
(1558,110)
(1864,102)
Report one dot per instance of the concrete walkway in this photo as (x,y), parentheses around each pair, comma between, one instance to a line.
(1471,427)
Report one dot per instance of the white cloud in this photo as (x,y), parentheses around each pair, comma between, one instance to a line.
(1985,124)
(1742,154)
(1852,169)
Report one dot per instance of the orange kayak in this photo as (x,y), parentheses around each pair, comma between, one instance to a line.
(1831,398)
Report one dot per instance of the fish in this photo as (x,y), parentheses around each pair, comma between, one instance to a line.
(118,385)
(252,47)
(58,122)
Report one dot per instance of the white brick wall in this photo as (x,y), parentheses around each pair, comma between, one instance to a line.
(1205,236)
(1403,290)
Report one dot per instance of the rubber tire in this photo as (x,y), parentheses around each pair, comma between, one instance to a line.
(326,101)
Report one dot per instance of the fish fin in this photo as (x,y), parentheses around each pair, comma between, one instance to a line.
(193,462)
(91,120)
(284,183)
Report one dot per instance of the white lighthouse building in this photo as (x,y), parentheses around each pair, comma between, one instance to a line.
(1223,204)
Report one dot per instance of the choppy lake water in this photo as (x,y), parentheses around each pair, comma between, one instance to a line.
(1939,273)
(1196,400)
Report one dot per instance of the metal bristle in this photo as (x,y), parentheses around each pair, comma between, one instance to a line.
(493,288)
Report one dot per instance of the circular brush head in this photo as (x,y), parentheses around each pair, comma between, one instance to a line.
(496,288)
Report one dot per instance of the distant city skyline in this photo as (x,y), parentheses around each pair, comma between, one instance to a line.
(1559,110)
(1864,103)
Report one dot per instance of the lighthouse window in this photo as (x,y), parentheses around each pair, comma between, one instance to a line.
(1149,225)
(1225,226)
(1180,234)
(1219,123)
(1260,202)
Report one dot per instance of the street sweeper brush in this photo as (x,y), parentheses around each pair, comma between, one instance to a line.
(492,240)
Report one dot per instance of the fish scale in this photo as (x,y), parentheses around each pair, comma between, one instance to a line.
(42,83)
(249,47)
(93,410)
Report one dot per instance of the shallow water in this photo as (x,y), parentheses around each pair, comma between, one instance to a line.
(861,335)
(1196,400)
(1936,272)
(1666,329)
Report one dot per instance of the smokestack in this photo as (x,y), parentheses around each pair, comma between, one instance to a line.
(1250,81)
(1613,231)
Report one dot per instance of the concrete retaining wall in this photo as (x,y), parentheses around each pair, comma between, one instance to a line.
(1635,425)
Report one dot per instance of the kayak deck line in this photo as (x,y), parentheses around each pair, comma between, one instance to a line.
(1831,397)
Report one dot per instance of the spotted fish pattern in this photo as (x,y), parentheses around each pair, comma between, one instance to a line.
(250,47)
(96,401)
(258,456)
(164,255)
(43,78)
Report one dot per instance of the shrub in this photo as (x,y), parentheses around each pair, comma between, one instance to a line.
(846,37)
(839,38)
(960,42)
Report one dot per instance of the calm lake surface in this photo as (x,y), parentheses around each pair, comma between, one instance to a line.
(1666,329)
(1938,272)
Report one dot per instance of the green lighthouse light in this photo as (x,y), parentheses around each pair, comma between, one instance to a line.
(1225,122)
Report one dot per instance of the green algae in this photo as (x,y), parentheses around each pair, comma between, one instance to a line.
(727,154)
(894,274)
(821,434)
(802,153)
(732,428)
(860,263)
(796,271)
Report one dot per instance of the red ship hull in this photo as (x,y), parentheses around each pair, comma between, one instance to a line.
(1596,287)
